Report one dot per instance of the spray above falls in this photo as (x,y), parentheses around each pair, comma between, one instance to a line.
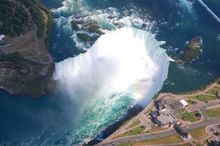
(122,68)
(127,60)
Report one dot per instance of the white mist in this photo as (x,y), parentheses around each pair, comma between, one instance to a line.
(128,61)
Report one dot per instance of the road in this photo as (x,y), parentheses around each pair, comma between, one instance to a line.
(158,135)
(209,10)
(202,107)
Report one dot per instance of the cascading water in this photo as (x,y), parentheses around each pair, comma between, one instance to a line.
(123,67)
(107,19)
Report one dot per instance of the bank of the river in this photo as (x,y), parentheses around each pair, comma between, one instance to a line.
(26,66)
(198,100)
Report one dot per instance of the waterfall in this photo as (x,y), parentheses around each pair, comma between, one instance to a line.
(125,60)
(124,67)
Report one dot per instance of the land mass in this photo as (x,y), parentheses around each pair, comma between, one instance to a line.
(26,66)
(188,119)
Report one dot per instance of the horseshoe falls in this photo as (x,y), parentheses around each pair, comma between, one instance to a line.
(124,67)
(110,56)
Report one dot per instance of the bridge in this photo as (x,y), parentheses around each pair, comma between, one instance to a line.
(202,3)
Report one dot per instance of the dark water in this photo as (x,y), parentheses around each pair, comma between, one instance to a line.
(46,120)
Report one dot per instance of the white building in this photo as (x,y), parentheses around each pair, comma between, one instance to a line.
(183,102)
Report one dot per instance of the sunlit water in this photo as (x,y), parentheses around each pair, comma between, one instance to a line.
(78,114)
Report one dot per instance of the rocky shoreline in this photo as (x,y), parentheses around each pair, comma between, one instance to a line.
(26,66)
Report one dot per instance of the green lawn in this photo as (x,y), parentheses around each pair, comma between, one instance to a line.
(189,116)
(155,129)
(213,112)
(192,102)
(135,131)
(205,98)
(213,90)
(165,140)
(199,133)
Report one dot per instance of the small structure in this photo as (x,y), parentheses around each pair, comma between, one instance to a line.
(213,142)
(176,104)
(165,119)
(181,132)
(159,104)
(154,113)
(184,103)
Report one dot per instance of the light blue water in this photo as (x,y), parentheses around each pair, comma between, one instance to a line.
(54,119)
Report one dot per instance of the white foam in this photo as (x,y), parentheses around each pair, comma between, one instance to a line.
(108,19)
(2,36)
(127,60)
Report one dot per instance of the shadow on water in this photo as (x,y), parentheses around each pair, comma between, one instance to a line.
(23,118)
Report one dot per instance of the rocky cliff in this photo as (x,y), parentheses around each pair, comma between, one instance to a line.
(26,66)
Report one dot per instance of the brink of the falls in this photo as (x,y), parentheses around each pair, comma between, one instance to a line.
(123,67)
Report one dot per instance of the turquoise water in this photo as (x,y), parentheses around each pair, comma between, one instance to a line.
(57,120)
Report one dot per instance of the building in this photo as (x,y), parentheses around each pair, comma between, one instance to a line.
(154,113)
(183,102)
(159,104)
(213,143)
(176,104)
(181,132)
(165,119)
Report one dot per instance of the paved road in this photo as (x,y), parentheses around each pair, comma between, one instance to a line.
(209,10)
(159,135)
(208,121)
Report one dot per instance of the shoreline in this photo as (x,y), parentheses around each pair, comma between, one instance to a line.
(150,105)
(25,61)
(123,119)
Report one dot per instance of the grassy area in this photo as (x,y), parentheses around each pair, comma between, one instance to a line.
(199,133)
(155,129)
(135,123)
(192,117)
(192,102)
(135,131)
(213,112)
(205,98)
(165,140)
(213,90)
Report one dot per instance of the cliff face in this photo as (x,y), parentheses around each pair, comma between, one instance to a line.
(26,66)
